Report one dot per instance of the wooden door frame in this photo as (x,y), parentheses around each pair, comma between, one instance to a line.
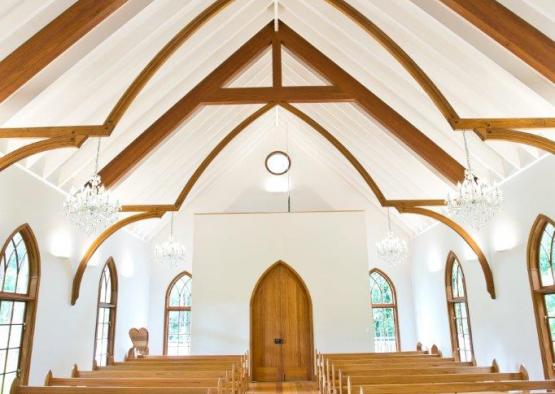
(310,320)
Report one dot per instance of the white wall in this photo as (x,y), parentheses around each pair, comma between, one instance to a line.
(328,251)
(503,328)
(64,334)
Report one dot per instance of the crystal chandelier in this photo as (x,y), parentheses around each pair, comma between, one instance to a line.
(91,207)
(170,252)
(392,249)
(476,202)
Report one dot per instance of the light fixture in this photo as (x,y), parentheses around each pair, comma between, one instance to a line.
(91,207)
(170,252)
(476,202)
(278,162)
(392,249)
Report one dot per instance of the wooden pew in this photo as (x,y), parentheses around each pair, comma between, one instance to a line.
(458,387)
(111,390)
(134,382)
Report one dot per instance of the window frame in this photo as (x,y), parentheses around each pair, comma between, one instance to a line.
(113,306)
(168,308)
(538,293)
(393,305)
(451,302)
(30,299)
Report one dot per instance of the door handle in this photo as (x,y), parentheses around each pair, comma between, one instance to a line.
(278,341)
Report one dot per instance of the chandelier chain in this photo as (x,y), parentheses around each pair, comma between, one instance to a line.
(467,152)
(96,166)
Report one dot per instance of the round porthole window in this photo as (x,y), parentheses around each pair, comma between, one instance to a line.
(278,162)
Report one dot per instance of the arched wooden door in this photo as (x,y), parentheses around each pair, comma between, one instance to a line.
(281,327)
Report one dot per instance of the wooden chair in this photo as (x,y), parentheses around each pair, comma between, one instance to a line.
(139,338)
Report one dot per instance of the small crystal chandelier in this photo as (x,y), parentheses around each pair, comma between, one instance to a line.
(91,207)
(392,249)
(476,202)
(170,252)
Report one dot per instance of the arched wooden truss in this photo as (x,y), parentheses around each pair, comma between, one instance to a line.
(493,128)
(403,206)
(484,127)
(344,88)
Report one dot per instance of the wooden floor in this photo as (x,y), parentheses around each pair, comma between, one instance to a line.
(285,387)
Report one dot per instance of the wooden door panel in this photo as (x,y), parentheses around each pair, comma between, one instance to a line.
(266,327)
(295,328)
(281,308)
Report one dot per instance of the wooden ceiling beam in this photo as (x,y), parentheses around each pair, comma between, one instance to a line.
(426,83)
(40,146)
(400,55)
(291,94)
(510,31)
(125,101)
(511,123)
(149,139)
(486,270)
(520,137)
(51,41)
(54,131)
(441,162)
(100,240)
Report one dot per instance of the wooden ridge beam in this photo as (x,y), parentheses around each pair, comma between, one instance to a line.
(443,164)
(149,139)
(291,94)
(51,41)
(510,31)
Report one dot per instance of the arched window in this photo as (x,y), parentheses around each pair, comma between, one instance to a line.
(384,312)
(106,315)
(457,307)
(177,331)
(19,278)
(541,270)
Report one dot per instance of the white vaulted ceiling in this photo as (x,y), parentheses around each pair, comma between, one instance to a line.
(479,77)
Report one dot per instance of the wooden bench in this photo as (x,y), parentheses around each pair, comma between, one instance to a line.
(152,375)
(458,387)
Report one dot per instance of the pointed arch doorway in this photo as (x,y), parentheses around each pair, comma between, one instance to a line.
(281,327)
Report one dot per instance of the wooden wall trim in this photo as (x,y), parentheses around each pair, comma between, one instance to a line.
(510,31)
(99,241)
(486,270)
(51,41)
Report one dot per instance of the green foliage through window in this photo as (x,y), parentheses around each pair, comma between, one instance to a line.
(383,313)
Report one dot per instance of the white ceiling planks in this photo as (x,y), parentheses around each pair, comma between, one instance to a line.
(477,75)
